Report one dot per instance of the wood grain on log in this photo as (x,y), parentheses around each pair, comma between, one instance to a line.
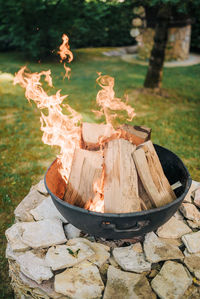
(152,176)
(135,134)
(91,134)
(121,181)
(86,170)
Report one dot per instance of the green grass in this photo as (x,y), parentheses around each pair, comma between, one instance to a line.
(174,117)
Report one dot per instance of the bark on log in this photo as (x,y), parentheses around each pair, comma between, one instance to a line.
(135,134)
(152,176)
(121,181)
(86,170)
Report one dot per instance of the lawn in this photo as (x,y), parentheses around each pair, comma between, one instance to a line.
(174,116)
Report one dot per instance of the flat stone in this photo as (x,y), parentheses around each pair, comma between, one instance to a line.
(124,285)
(64,256)
(47,210)
(71,231)
(189,195)
(157,250)
(82,281)
(193,224)
(178,215)
(172,281)
(192,242)
(31,201)
(34,267)
(175,242)
(46,286)
(44,233)
(130,259)
(197,197)
(173,228)
(10,254)
(190,212)
(41,187)
(101,251)
(14,237)
(193,264)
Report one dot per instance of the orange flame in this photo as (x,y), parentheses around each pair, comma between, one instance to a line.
(64,49)
(58,129)
(108,102)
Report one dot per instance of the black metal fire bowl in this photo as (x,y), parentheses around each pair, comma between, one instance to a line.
(124,225)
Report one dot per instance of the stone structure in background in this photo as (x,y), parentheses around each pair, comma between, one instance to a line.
(51,259)
(179,34)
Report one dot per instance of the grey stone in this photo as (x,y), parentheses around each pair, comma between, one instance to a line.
(10,254)
(47,210)
(123,285)
(130,259)
(44,233)
(193,187)
(46,286)
(192,242)
(173,229)
(31,201)
(192,262)
(34,267)
(41,187)
(101,251)
(190,212)
(14,237)
(157,250)
(71,231)
(193,224)
(172,281)
(197,197)
(80,282)
(64,256)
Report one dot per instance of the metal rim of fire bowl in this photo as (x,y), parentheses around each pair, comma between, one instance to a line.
(124,215)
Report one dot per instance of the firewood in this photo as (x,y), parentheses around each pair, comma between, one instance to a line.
(152,176)
(85,171)
(121,181)
(91,134)
(146,203)
(135,134)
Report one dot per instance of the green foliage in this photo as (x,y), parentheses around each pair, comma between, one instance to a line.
(36,26)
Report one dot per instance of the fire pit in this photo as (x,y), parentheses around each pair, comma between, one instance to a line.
(123,225)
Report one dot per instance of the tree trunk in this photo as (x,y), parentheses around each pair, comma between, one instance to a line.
(154,75)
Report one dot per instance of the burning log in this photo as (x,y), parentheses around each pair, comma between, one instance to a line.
(135,134)
(85,171)
(152,176)
(121,181)
(91,134)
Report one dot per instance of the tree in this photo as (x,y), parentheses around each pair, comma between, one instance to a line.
(165,10)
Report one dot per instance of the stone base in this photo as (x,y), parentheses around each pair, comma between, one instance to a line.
(178,44)
(65,263)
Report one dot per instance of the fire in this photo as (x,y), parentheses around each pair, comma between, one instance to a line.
(64,49)
(63,130)
(58,129)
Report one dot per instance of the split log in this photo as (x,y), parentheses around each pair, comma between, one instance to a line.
(121,181)
(85,171)
(91,134)
(152,176)
(135,134)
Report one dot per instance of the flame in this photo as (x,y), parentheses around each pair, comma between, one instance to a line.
(67,72)
(63,130)
(97,203)
(108,102)
(58,129)
(64,49)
